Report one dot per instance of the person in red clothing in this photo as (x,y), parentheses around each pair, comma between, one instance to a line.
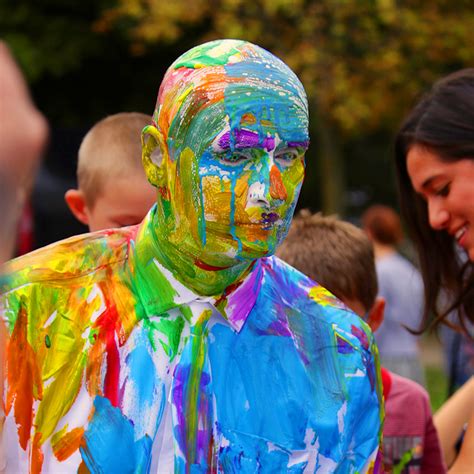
(411,442)
(340,257)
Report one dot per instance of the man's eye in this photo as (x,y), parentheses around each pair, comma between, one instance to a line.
(233,157)
(287,156)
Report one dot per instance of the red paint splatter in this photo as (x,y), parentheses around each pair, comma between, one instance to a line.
(108,323)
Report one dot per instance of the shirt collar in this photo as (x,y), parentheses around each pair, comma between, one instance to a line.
(159,291)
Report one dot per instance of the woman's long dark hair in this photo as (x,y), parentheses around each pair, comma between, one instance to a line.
(442,121)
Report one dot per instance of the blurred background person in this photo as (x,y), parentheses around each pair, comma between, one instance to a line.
(113,190)
(401,286)
(23,136)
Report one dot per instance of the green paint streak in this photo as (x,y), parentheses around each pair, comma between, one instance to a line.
(186,312)
(169,328)
(215,53)
(406,458)
(166,208)
(47,341)
(198,351)
(154,289)
(93,336)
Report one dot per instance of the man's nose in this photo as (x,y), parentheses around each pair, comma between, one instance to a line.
(269,187)
(258,195)
(438,215)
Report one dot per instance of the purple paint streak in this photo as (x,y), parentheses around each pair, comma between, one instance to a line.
(304,144)
(246,139)
(242,300)
(343,347)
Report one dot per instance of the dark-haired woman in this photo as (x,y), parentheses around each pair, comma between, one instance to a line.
(435,170)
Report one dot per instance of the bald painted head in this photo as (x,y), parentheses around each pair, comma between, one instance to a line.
(226,151)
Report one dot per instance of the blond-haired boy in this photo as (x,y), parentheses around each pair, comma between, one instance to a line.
(112,187)
(340,257)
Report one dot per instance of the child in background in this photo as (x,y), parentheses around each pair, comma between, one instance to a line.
(113,189)
(340,257)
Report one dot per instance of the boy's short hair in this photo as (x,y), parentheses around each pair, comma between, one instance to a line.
(384,224)
(112,147)
(334,253)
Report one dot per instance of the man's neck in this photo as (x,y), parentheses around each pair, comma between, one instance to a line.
(189,267)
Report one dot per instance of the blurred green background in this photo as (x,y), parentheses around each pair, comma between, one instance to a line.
(362,62)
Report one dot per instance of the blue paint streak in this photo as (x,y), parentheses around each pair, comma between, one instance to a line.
(110,445)
(143,374)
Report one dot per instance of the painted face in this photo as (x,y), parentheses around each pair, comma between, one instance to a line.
(448,190)
(250,177)
(236,163)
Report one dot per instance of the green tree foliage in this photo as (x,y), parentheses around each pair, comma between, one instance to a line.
(51,37)
(362,61)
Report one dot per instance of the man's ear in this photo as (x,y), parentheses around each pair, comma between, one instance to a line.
(376,314)
(154,155)
(77,204)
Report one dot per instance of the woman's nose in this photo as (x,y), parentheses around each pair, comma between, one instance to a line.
(438,215)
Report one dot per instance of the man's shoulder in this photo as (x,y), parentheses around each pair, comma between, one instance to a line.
(307,299)
(68,259)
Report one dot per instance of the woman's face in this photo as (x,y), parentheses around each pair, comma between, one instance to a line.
(448,188)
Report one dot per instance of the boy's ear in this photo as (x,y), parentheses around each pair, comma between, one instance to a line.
(376,314)
(77,204)
(154,155)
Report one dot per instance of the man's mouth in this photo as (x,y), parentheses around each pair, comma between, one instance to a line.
(268,219)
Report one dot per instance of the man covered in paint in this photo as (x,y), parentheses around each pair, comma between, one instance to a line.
(181,344)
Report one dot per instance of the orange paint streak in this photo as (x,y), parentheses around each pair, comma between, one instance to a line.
(93,370)
(82,469)
(23,375)
(253,234)
(37,457)
(248,119)
(277,188)
(68,444)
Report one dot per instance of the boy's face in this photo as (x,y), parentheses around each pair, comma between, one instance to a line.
(122,202)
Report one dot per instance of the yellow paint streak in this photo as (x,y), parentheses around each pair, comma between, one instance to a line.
(216,198)
(187,185)
(322,296)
